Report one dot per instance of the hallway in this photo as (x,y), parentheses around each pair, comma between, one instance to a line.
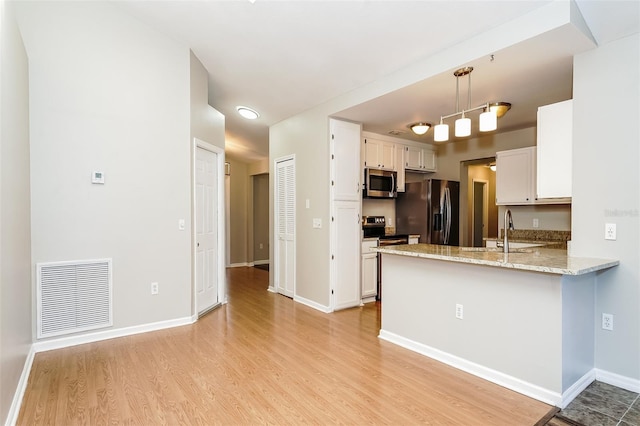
(263,358)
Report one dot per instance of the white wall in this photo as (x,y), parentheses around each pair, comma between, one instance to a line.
(15,237)
(110,94)
(605,190)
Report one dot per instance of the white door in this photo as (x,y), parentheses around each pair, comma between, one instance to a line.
(206,229)
(284,274)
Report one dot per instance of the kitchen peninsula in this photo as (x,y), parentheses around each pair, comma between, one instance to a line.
(523,320)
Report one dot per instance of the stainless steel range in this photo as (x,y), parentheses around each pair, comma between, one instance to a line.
(374,226)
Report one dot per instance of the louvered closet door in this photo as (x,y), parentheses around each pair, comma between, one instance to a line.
(285,227)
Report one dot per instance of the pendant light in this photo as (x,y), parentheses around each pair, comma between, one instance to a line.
(488,120)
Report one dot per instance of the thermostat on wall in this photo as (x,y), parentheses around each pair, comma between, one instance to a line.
(97,177)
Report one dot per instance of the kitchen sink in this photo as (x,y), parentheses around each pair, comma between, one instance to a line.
(496,249)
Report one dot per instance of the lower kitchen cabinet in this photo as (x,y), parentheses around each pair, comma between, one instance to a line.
(369,275)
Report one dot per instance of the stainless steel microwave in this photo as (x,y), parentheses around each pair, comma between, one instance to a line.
(380,183)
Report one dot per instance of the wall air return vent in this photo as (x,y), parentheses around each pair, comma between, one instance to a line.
(73,296)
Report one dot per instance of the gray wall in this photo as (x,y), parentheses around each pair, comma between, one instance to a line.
(606,155)
(261,217)
(15,234)
(110,94)
(239,212)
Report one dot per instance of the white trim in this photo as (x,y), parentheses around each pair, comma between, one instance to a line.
(617,380)
(312,304)
(221,211)
(529,389)
(261,262)
(272,289)
(66,342)
(239,265)
(367,300)
(16,403)
(575,389)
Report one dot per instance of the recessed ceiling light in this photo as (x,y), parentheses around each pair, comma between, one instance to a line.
(247,112)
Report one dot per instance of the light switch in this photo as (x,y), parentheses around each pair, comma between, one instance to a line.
(307,204)
(181,224)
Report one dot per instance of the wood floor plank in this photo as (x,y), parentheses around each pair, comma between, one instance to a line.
(263,359)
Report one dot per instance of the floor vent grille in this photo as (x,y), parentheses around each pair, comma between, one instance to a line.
(73,296)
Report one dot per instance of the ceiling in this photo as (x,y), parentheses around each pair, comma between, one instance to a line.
(284,57)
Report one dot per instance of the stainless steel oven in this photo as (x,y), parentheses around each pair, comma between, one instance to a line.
(374,226)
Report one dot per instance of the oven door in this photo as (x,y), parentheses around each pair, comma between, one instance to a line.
(380,183)
(388,241)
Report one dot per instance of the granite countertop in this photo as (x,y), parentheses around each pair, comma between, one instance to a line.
(537,259)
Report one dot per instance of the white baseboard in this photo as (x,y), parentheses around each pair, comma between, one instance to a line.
(65,342)
(312,304)
(368,300)
(261,262)
(16,403)
(272,289)
(575,389)
(617,380)
(239,265)
(529,389)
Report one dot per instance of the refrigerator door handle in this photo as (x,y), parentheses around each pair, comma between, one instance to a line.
(447,215)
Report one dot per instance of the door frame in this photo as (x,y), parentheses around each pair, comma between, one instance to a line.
(220,208)
(485,208)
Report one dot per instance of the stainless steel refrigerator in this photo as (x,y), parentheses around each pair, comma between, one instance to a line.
(430,208)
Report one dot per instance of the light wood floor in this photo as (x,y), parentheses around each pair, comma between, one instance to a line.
(263,358)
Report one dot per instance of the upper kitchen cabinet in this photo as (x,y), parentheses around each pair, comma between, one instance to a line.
(345,161)
(379,154)
(515,176)
(555,138)
(400,167)
(422,159)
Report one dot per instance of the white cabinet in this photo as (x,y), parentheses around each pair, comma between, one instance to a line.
(379,154)
(554,158)
(369,271)
(345,161)
(414,239)
(515,176)
(400,167)
(345,223)
(421,159)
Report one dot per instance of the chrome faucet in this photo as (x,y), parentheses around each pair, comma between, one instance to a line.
(508,224)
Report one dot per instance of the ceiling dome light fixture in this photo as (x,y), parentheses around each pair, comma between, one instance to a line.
(420,128)
(488,120)
(248,113)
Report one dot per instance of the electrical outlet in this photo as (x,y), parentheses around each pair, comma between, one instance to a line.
(536,223)
(459,311)
(609,231)
(607,322)
(261,246)
(154,288)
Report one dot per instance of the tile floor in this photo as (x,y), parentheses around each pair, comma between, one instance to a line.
(601,404)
